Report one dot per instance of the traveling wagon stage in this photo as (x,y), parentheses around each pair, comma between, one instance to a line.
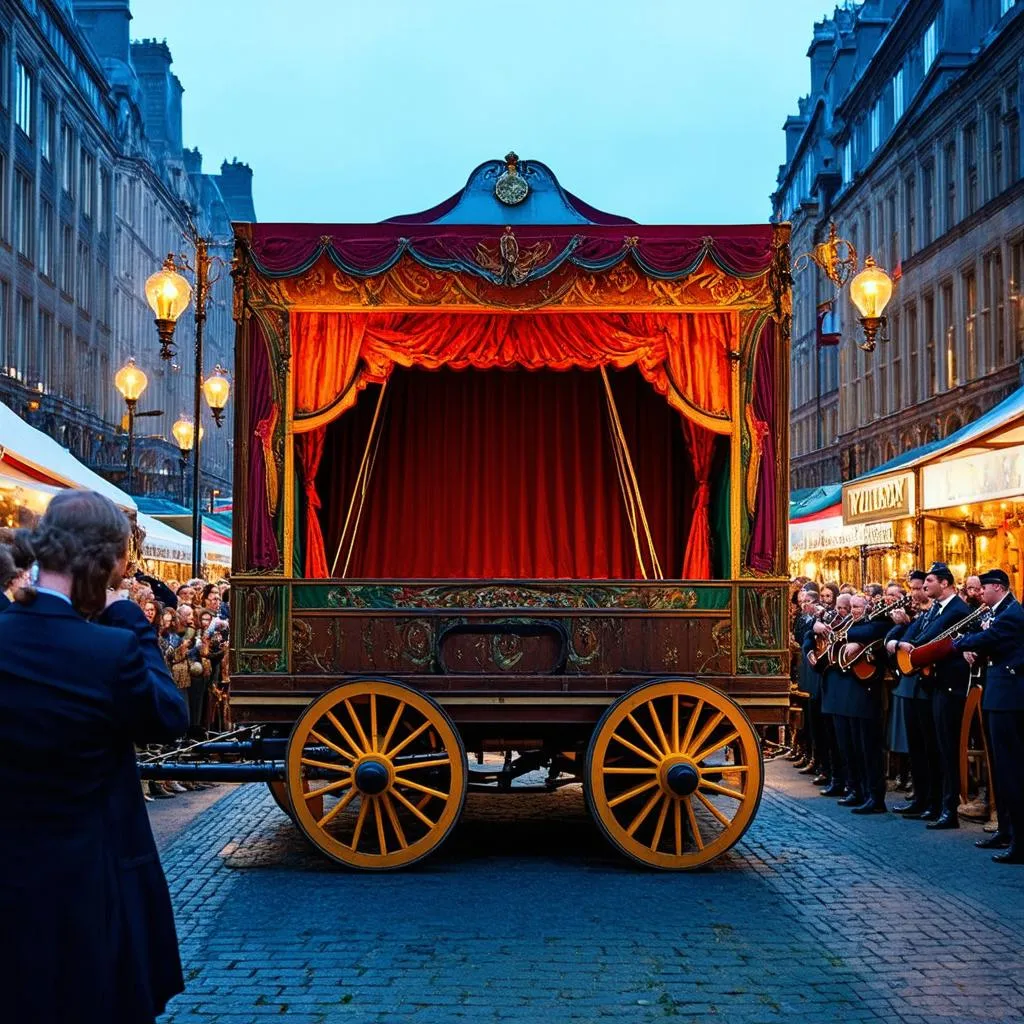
(511,481)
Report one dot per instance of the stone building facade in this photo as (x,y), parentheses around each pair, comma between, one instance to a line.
(910,142)
(96,187)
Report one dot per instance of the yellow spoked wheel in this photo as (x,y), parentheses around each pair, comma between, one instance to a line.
(279,791)
(376,774)
(674,774)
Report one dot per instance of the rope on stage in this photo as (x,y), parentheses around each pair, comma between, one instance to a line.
(629,484)
(362,484)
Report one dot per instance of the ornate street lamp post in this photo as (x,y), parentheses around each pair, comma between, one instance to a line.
(169,293)
(132,382)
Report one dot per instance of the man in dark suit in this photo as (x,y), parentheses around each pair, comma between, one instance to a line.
(860,704)
(921,742)
(844,782)
(949,679)
(77,856)
(1001,646)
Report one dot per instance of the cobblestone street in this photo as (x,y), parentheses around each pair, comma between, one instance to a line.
(527,916)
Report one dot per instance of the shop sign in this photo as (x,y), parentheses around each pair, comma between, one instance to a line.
(830,534)
(972,478)
(880,500)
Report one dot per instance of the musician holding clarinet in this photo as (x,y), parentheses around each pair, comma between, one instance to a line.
(999,646)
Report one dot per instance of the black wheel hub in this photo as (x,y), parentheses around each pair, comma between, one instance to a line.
(371,777)
(682,779)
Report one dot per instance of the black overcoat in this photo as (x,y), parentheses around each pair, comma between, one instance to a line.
(86,928)
(1002,648)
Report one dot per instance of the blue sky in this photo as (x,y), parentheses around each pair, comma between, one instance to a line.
(357,110)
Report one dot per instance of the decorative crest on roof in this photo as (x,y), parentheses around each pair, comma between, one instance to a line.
(511,188)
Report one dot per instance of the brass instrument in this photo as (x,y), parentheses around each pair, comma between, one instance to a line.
(921,659)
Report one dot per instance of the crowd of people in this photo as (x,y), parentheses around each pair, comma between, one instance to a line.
(882,676)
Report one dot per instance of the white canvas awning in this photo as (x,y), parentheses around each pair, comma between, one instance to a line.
(166,544)
(37,450)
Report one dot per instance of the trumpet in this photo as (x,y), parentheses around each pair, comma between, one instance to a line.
(921,659)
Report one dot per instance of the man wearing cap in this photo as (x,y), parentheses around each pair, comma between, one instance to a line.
(914,700)
(950,677)
(1002,704)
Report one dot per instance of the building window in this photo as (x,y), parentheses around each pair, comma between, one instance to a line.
(869,395)
(1016,297)
(931,45)
(894,230)
(913,367)
(875,126)
(22,335)
(970,298)
(46,130)
(927,203)
(83,277)
(67,259)
(847,162)
(897,364)
(910,214)
(4,225)
(44,361)
(87,176)
(931,354)
(5,327)
(1005,6)
(995,151)
(970,168)
(45,260)
(950,172)
(1012,139)
(23,96)
(3,75)
(883,389)
(993,328)
(22,214)
(103,201)
(67,364)
(67,171)
(949,336)
(898,97)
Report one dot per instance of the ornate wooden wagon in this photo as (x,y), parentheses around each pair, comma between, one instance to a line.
(510,500)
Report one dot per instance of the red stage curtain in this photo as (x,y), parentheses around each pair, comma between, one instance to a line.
(262,470)
(309,449)
(506,474)
(684,355)
(763,430)
(697,560)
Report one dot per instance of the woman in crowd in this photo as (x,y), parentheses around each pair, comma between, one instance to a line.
(86,927)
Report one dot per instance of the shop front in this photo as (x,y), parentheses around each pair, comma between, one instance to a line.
(883,509)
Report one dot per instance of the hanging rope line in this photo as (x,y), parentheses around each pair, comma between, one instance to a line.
(629,483)
(362,482)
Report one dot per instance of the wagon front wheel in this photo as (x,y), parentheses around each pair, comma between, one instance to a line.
(376,774)
(674,774)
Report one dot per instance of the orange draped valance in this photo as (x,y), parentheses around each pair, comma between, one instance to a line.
(685,356)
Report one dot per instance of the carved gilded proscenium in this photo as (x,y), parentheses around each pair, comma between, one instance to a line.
(258,616)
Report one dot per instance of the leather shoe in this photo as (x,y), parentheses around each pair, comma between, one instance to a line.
(800,763)
(808,769)
(910,809)
(820,780)
(929,815)
(851,800)
(870,806)
(1013,855)
(834,790)
(944,821)
(999,841)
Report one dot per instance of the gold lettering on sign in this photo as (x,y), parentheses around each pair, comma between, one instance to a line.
(890,498)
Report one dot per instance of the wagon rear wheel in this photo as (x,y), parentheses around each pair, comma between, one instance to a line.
(376,774)
(674,774)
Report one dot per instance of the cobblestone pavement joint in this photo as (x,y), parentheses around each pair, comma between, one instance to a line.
(527,916)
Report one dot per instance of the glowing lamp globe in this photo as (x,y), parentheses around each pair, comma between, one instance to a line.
(216,388)
(168,295)
(184,432)
(131,382)
(871,290)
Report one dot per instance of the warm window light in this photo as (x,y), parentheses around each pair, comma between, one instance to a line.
(131,382)
(870,292)
(168,295)
(217,387)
